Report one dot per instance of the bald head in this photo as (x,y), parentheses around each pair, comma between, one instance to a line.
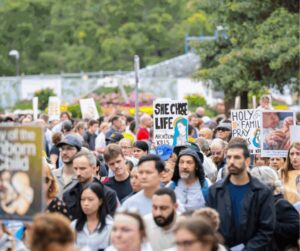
(146,120)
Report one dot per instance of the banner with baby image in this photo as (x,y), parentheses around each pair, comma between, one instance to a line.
(275,134)
(88,109)
(246,124)
(21,185)
(170,122)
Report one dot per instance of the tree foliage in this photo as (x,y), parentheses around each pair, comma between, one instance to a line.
(262,49)
(43,96)
(92,35)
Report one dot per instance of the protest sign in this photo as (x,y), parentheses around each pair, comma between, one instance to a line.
(170,122)
(35,102)
(295,133)
(275,133)
(88,108)
(21,193)
(246,124)
(53,108)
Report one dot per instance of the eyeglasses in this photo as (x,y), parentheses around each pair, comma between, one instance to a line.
(186,243)
(223,129)
(46,180)
(126,147)
(168,170)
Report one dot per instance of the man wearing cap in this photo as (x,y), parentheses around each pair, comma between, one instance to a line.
(191,185)
(114,138)
(116,126)
(223,130)
(69,146)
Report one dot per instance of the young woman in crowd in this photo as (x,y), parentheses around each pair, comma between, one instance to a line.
(287,226)
(94,224)
(128,233)
(134,182)
(196,234)
(290,173)
(140,148)
(51,188)
(50,232)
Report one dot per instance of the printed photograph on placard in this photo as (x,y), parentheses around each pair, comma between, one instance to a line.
(275,135)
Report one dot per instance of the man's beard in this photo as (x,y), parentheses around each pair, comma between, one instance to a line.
(163,222)
(236,170)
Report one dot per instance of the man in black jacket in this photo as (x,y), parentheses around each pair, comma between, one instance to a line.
(245,205)
(84,164)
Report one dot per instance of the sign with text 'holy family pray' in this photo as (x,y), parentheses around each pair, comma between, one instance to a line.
(170,122)
(246,124)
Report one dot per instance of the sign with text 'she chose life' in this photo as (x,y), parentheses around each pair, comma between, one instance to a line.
(170,122)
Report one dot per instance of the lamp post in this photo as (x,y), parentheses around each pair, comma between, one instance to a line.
(137,79)
(16,55)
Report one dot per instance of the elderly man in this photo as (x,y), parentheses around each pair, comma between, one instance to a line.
(146,123)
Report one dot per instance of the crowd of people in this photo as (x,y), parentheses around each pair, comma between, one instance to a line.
(109,187)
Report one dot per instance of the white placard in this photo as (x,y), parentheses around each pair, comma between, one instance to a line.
(35,102)
(246,124)
(88,108)
(170,122)
(53,108)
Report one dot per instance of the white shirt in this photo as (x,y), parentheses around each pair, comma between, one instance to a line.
(140,202)
(159,238)
(95,240)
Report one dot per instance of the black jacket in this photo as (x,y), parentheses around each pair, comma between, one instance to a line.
(257,216)
(287,223)
(71,198)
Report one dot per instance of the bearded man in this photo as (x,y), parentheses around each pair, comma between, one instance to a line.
(161,222)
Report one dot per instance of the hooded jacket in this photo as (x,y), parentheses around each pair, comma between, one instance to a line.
(197,156)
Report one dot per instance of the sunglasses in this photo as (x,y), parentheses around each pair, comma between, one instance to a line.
(46,180)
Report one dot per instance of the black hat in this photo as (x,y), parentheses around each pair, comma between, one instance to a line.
(71,140)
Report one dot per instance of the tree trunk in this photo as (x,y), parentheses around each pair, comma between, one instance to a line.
(229,103)
(244,100)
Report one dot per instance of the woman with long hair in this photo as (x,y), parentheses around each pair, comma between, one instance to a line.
(128,233)
(290,173)
(51,188)
(94,223)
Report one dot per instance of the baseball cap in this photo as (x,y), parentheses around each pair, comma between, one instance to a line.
(224,125)
(164,151)
(115,137)
(71,140)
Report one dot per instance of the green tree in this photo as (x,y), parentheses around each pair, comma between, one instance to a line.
(43,96)
(92,35)
(262,49)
